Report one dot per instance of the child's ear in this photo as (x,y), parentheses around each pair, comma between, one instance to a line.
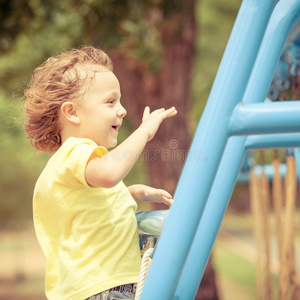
(69,112)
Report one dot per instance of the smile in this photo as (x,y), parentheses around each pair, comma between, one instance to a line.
(116,127)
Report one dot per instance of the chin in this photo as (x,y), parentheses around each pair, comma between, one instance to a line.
(111,145)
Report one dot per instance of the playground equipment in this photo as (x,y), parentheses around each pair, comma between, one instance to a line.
(285,85)
(235,120)
(283,195)
(150,224)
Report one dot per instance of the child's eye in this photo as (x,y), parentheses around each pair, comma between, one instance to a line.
(111,101)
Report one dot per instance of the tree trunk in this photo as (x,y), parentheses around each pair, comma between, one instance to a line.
(208,288)
(169,87)
(165,154)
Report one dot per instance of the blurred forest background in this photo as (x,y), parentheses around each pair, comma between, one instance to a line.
(165,53)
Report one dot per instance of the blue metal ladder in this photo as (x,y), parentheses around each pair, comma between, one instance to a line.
(235,120)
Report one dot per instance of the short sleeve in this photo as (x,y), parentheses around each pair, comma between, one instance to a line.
(98,152)
(74,162)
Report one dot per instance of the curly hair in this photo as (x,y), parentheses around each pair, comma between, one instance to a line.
(57,80)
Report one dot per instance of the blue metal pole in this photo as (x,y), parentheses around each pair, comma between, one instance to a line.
(273,141)
(206,150)
(209,226)
(262,118)
(283,17)
(297,158)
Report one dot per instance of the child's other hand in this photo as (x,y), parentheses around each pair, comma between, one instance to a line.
(142,192)
(152,121)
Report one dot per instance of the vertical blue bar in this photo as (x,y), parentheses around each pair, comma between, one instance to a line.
(297,158)
(206,150)
(283,17)
(211,220)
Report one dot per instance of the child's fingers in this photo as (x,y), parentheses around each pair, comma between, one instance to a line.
(146,113)
(158,111)
(164,193)
(171,112)
(166,198)
(168,201)
(165,113)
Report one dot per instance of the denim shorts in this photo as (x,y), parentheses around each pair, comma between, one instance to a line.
(126,291)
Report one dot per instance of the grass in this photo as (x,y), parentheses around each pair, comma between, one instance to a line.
(234,267)
(234,257)
(236,275)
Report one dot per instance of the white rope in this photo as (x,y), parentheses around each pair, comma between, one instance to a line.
(143,273)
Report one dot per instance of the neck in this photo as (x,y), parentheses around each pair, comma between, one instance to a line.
(68,132)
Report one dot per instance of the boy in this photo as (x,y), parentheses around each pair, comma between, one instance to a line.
(84,216)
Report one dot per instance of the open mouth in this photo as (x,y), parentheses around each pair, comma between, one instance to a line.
(115,127)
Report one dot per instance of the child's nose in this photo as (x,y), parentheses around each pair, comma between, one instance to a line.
(122,112)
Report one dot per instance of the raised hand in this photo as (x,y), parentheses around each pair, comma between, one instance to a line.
(152,121)
(107,171)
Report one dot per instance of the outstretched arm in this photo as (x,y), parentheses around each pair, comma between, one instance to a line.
(110,169)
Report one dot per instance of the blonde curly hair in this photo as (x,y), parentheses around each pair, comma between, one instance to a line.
(57,80)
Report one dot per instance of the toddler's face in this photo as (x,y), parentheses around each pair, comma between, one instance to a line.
(100,112)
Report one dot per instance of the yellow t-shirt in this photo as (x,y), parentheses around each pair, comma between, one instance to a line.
(88,235)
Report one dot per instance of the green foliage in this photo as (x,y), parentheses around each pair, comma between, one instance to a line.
(129,24)
(14,16)
(19,165)
(235,267)
(215,21)
(51,26)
